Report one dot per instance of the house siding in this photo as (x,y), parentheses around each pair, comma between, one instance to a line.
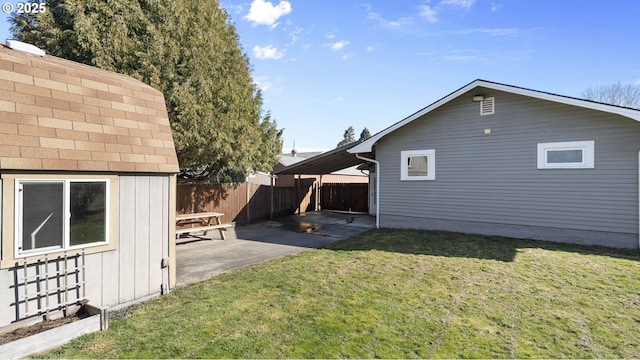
(494,179)
(132,271)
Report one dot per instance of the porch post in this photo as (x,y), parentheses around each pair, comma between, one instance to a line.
(298,200)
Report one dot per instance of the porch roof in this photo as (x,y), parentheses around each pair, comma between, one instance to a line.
(325,163)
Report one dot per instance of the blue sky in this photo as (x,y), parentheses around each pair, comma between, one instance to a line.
(325,65)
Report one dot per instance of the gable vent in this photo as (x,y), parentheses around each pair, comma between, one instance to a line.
(487,106)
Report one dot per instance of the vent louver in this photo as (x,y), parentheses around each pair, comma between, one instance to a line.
(487,106)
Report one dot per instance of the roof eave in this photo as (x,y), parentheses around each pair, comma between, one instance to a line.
(367,145)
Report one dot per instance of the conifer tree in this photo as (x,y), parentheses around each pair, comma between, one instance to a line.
(348,137)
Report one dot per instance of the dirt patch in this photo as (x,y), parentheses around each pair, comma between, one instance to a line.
(20,333)
(26,331)
(45,325)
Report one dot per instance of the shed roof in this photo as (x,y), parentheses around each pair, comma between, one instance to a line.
(57,114)
(367,145)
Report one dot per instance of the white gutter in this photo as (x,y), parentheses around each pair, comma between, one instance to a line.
(377,187)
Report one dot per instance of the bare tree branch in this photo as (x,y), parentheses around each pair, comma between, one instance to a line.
(627,95)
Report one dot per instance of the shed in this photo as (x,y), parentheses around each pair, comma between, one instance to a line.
(498,159)
(88,172)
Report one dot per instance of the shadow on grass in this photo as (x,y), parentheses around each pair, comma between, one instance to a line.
(451,244)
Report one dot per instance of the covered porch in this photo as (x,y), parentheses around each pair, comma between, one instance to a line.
(334,160)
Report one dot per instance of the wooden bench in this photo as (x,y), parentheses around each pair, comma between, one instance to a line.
(205,221)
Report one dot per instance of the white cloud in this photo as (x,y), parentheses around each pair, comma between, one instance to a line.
(295,35)
(235,9)
(428,13)
(486,56)
(492,32)
(267,52)
(370,48)
(263,83)
(462,58)
(466,4)
(339,45)
(265,13)
(394,24)
(266,84)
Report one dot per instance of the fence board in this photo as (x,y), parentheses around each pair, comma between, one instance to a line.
(345,197)
(245,202)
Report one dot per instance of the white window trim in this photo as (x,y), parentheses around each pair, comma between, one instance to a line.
(588,157)
(431,164)
(66,240)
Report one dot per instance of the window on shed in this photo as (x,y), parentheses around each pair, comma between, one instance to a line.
(566,155)
(417,165)
(53,215)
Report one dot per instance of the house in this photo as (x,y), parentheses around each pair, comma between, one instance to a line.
(496,159)
(87,178)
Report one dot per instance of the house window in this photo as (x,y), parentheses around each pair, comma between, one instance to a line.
(566,155)
(418,165)
(54,215)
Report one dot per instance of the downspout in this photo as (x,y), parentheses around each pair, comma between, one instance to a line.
(377,187)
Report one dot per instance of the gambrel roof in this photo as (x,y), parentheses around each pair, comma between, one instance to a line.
(56,114)
(367,146)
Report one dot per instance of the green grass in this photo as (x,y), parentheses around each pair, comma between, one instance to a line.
(396,294)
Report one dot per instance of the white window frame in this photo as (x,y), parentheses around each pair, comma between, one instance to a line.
(66,243)
(431,164)
(587,148)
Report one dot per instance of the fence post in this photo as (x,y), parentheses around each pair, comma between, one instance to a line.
(298,200)
(246,184)
(271,198)
(319,195)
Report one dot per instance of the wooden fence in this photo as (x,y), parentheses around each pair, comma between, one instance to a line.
(244,202)
(345,197)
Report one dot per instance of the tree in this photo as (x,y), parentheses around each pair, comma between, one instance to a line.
(186,49)
(348,137)
(616,94)
(365,134)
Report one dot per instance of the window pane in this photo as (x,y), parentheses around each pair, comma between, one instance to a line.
(88,212)
(42,215)
(564,156)
(417,166)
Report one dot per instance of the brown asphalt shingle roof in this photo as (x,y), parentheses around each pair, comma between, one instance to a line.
(56,114)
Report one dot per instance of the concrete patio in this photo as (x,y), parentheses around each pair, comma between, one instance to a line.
(207,256)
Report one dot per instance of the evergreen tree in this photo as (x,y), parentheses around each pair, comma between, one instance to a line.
(365,134)
(186,49)
(348,137)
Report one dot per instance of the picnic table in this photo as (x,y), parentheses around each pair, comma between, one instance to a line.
(203,221)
